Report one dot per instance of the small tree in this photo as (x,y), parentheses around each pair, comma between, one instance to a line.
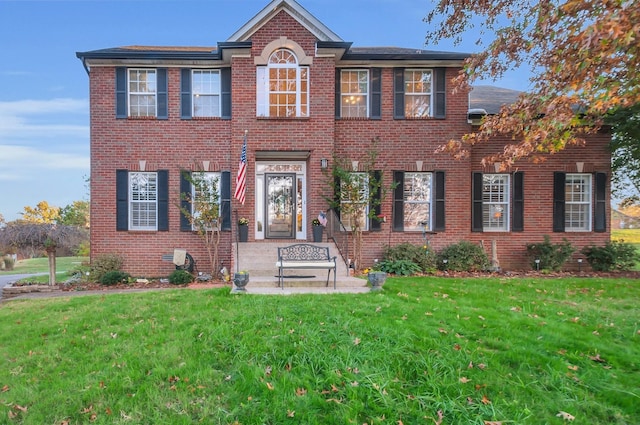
(48,237)
(358,193)
(203,212)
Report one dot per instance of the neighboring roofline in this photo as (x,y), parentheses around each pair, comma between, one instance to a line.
(293,8)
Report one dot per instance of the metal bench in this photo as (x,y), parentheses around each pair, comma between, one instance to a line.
(305,256)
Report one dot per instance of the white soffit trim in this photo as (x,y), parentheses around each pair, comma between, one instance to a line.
(299,13)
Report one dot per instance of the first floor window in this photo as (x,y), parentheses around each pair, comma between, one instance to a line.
(578,194)
(206,199)
(142,92)
(354,197)
(206,93)
(417,201)
(495,202)
(143,200)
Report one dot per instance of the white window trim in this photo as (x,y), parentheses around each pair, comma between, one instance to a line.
(210,176)
(194,94)
(430,202)
(150,176)
(430,94)
(263,91)
(347,94)
(505,203)
(133,93)
(588,203)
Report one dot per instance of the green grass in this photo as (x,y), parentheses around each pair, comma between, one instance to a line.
(41,265)
(515,351)
(627,235)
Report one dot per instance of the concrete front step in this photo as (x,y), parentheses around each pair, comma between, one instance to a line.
(341,282)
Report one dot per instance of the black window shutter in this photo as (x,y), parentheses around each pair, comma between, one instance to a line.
(122,200)
(338,96)
(374,223)
(163,200)
(439,219)
(476,205)
(440,89)
(163,110)
(121,92)
(225,91)
(398,93)
(558,201)
(375,106)
(225,195)
(185,198)
(398,201)
(185,93)
(517,221)
(600,217)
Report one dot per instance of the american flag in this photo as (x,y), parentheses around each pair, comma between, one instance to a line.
(241,180)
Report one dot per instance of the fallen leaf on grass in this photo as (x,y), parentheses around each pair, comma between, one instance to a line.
(5,389)
(267,370)
(566,416)
(492,423)
(485,400)
(270,386)
(300,392)
(356,341)
(291,413)
(464,380)
(572,367)
(597,358)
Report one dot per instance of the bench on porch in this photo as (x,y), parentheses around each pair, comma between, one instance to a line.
(305,256)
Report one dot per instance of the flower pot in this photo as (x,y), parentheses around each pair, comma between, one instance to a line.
(240,280)
(317,233)
(376,279)
(243,232)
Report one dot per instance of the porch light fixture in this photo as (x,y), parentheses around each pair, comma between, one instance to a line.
(324,163)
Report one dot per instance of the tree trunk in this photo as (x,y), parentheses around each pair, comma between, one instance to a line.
(51,254)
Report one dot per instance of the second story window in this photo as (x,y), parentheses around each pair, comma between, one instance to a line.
(354,93)
(417,93)
(206,93)
(283,87)
(142,93)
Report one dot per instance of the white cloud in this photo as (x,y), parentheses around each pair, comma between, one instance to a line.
(21,161)
(50,106)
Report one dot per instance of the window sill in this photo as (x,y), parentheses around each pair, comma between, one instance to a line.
(282,118)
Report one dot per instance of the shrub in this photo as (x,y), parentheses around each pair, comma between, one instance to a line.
(103,264)
(418,254)
(114,277)
(552,256)
(613,256)
(8,262)
(180,277)
(463,256)
(399,267)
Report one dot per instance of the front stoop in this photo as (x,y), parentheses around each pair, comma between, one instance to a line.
(259,259)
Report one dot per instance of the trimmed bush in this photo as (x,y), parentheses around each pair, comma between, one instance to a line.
(399,267)
(180,277)
(417,254)
(103,264)
(8,262)
(614,256)
(463,256)
(552,256)
(114,277)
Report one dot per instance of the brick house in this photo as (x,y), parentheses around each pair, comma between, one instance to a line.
(303,96)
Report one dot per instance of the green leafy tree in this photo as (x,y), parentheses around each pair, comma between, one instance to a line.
(625,148)
(75,214)
(357,192)
(583,55)
(204,212)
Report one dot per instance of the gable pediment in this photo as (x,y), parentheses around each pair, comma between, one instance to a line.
(295,10)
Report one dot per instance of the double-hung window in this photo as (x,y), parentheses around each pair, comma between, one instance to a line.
(143,201)
(495,202)
(354,93)
(206,199)
(206,93)
(354,197)
(283,87)
(142,93)
(417,196)
(578,195)
(418,93)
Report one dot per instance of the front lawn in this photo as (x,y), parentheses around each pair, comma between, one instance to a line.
(422,351)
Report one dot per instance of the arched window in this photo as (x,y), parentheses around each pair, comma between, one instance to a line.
(283,86)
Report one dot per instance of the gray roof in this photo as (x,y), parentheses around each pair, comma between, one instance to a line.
(491,98)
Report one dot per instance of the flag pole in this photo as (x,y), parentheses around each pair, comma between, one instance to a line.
(240,192)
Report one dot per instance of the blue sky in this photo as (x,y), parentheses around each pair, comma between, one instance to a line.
(44,98)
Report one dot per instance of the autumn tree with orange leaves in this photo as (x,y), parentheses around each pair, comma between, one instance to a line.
(584,59)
